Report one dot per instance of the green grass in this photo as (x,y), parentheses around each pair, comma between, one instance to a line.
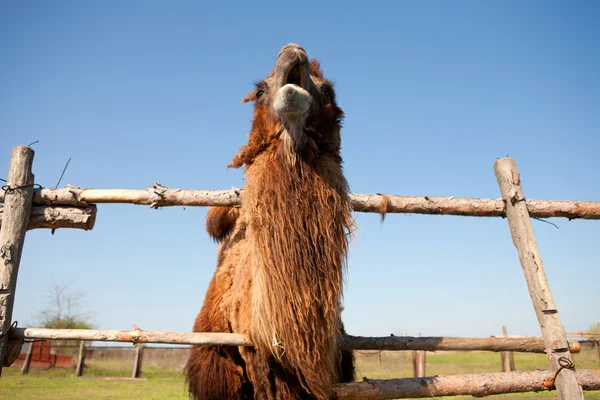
(61,384)
(389,364)
(169,384)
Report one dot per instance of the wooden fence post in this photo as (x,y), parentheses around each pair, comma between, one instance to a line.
(25,367)
(598,348)
(551,325)
(419,359)
(507,357)
(511,358)
(137,363)
(415,363)
(80,359)
(17,205)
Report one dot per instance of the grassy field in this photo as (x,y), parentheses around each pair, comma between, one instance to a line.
(168,384)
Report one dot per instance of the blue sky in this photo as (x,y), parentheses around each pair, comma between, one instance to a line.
(434,92)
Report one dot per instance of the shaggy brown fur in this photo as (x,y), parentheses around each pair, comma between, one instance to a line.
(220,221)
(383,206)
(281,259)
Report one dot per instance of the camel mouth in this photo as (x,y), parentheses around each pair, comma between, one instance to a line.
(295,75)
(292,67)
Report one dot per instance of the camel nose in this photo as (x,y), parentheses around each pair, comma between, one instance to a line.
(292,47)
(292,67)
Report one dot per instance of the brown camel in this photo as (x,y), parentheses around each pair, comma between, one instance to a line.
(282,254)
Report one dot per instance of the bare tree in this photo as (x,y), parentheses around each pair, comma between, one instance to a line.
(64,309)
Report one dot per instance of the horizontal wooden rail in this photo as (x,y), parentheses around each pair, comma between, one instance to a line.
(235,339)
(584,334)
(472,207)
(456,385)
(159,196)
(448,344)
(135,336)
(56,217)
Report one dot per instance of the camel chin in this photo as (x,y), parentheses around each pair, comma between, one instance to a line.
(292,103)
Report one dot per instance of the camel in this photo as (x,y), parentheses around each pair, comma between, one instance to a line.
(282,253)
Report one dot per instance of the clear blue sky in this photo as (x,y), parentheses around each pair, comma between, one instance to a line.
(139,92)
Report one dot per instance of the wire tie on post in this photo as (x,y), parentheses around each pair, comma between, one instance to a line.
(9,189)
(564,362)
(12,326)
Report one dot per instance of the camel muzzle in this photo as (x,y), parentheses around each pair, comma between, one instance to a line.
(292,78)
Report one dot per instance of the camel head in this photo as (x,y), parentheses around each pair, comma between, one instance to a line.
(295,113)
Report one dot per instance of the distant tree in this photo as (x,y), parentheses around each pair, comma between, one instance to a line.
(595,328)
(64,309)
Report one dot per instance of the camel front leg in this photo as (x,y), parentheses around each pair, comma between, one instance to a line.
(270,380)
(217,373)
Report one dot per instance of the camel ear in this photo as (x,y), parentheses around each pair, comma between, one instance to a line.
(315,68)
(249,97)
(220,222)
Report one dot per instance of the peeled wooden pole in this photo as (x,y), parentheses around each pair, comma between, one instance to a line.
(551,325)
(236,339)
(471,207)
(584,334)
(447,343)
(135,336)
(57,217)
(18,194)
(473,384)
(159,196)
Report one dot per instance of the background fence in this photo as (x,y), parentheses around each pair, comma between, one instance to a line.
(126,360)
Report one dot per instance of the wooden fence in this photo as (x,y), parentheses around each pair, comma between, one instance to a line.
(137,356)
(28,208)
